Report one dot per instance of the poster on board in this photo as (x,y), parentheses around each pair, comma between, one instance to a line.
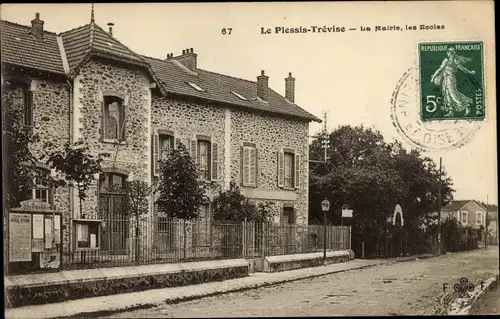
(19,237)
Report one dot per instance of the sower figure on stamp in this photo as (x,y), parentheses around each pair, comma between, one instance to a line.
(453,100)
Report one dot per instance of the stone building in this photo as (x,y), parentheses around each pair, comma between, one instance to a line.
(83,84)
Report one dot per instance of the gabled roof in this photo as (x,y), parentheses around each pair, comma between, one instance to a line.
(456,205)
(83,42)
(19,47)
(77,46)
(219,87)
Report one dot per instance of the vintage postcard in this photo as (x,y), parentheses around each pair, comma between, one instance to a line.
(249,159)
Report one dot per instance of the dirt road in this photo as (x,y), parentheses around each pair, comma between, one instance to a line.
(406,288)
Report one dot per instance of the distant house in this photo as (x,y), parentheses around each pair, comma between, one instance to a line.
(467,212)
(493,226)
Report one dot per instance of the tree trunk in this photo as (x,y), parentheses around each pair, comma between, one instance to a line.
(184,227)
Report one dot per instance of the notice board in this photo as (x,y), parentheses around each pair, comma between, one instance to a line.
(19,237)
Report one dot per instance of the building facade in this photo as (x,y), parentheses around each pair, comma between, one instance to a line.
(467,212)
(84,85)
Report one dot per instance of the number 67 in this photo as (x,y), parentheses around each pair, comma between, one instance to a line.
(432,103)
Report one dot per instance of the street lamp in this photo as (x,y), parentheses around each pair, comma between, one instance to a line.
(325,206)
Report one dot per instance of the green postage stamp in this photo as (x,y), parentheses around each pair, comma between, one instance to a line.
(451,81)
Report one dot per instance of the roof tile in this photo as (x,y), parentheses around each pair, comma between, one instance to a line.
(20,47)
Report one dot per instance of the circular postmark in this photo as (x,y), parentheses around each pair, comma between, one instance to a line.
(431,136)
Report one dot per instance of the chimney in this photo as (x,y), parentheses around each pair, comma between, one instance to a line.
(110,28)
(188,59)
(262,86)
(37,27)
(290,88)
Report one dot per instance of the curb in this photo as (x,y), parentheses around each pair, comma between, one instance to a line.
(195,296)
(466,310)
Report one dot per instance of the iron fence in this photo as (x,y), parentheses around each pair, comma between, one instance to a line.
(162,240)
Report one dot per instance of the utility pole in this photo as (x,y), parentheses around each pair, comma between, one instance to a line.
(439,206)
(325,140)
(486,224)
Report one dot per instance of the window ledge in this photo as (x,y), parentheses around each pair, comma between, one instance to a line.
(111,141)
(288,188)
(249,185)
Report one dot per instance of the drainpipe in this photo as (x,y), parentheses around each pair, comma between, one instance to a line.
(71,189)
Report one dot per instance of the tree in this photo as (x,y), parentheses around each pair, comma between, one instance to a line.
(136,205)
(76,165)
(371,177)
(231,205)
(181,193)
(18,162)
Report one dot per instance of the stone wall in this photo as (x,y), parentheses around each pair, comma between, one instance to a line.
(98,78)
(270,134)
(50,109)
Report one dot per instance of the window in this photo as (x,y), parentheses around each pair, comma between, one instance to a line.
(289,170)
(22,99)
(239,96)
(113,119)
(479,218)
(249,162)
(41,186)
(464,217)
(166,145)
(204,158)
(196,86)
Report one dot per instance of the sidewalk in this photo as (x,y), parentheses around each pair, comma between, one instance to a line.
(151,298)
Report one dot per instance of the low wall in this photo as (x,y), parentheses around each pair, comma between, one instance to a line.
(22,290)
(297,261)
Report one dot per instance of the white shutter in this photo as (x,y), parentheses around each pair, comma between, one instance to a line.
(193,150)
(246,165)
(281,169)
(297,171)
(215,162)
(252,165)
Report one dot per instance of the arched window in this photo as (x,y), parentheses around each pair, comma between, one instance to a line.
(113,118)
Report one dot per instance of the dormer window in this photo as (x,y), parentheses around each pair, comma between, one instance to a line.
(196,87)
(239,96)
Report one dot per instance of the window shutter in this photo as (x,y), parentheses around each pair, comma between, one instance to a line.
(281,169)
(156,154)
(297,171)
(176,143)
(215,162)
(256,167)
(246,165)
(193,150)
(29,108)
(252,166)
(103,120)
(122,122)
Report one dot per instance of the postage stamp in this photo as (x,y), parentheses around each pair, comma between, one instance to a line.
(429,136)
(451,81)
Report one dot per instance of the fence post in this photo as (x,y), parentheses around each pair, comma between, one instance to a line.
(244,223)
(253,239)
(363,249)
(350,233)
(263,239)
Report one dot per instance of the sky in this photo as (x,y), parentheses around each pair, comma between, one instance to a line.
(351,75)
